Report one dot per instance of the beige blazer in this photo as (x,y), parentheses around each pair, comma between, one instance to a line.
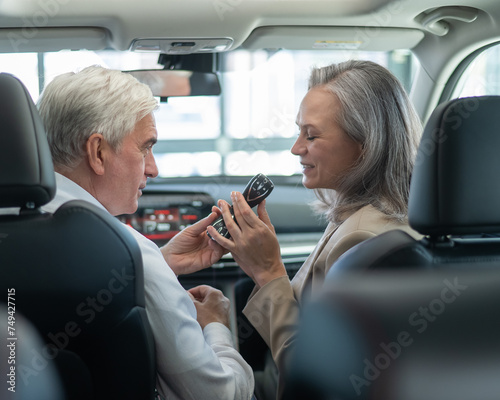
(274,309)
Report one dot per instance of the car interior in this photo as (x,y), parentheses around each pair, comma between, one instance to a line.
(229,76)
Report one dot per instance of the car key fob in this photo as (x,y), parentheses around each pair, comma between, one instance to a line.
(257,189)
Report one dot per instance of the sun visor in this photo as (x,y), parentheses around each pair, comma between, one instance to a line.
(332,38)
(35,39)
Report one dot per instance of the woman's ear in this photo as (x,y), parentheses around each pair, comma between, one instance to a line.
(95,149)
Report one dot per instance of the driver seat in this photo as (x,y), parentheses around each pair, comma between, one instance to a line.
(77,274)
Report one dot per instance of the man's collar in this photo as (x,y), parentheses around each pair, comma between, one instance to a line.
(71,189)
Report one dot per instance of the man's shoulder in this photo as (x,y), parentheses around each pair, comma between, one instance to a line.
(68,190)
(140,238)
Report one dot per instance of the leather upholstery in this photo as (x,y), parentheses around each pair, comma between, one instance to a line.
(46,383)
(26,171)
(77,273)
(454,188)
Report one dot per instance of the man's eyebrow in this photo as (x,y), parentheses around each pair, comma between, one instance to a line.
(151,141)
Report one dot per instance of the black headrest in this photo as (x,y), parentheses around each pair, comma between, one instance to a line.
(26,170)
(455,187)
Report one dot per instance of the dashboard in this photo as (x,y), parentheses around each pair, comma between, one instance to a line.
(160,216)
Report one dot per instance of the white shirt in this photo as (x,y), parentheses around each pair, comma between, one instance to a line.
(191,363)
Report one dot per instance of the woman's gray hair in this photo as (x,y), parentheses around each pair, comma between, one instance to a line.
(73,106)
(376,112)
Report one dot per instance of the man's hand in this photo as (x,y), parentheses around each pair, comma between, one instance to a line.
(191,249)
(211,305)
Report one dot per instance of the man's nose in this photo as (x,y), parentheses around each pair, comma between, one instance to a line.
(151,169)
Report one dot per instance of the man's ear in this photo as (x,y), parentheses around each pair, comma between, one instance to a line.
(95,149)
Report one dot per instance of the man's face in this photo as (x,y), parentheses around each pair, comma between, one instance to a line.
(127,170)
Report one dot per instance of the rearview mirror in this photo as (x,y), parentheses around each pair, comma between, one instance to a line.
(170,83)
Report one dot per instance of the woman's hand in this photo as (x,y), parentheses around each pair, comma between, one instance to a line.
(191,249)
(253,242)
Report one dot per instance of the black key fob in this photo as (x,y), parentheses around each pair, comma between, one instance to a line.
(257,189)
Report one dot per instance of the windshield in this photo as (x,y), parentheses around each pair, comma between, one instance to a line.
(249,129)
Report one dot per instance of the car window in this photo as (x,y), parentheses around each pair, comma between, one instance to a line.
(482,76)
(249,129)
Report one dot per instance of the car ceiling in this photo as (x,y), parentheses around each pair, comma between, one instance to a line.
(122,21)
(51,25)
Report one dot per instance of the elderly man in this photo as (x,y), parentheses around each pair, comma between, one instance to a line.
(101,131)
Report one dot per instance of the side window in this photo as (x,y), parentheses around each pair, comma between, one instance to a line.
(25,67)
(482,76)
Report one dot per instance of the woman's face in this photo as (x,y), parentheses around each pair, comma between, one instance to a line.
(325,150)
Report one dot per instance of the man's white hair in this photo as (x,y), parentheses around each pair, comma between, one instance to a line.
(74,106)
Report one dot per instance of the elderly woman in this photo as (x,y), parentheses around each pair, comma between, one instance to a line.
(357,144)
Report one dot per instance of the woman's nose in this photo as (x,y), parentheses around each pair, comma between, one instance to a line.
(297,147)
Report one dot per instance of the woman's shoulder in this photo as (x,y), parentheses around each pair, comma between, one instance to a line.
(370,220)
(362,225)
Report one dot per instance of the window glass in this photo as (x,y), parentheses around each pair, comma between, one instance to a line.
(25,67)
(262,93)
(482,76)
(250,128)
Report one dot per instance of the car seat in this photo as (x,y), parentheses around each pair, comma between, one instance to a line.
(77,273)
